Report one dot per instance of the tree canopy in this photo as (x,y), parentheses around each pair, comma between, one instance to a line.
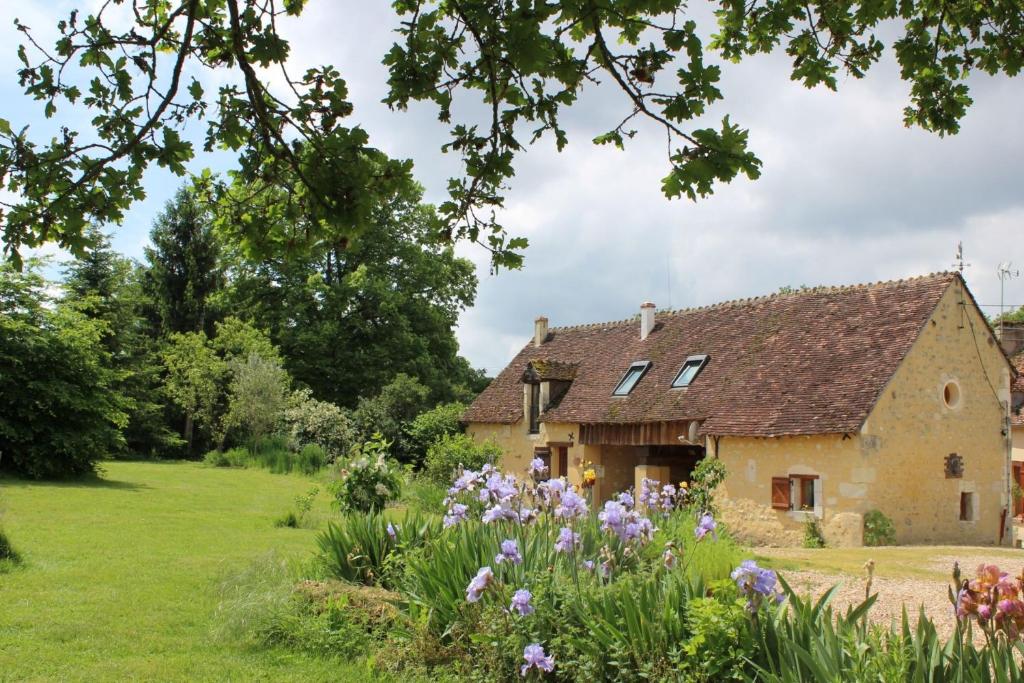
(527,62)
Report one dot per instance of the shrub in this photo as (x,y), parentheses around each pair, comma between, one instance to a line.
(311,458)
(367,480)
(216,458)
(431,425)
(813,538)
(878,529)
(310,421)
(7,551)
(271,452)
(720,643)
(452,451)
(59,411)
(707,476)
(390,412)
(256,397)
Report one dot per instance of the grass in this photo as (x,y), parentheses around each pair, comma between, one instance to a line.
(119,574)
(919,562)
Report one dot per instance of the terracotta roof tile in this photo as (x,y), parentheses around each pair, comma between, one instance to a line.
(809,362)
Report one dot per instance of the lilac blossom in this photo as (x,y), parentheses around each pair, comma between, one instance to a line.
(567,540)
(536,658)
(521,602)
(509,553)
(705,526)
(479,584)
(456,513)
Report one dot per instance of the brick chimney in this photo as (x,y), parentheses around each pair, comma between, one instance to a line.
(646,319)
(540,330)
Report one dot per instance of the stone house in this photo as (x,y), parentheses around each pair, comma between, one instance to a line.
(823,404)
(1012,339)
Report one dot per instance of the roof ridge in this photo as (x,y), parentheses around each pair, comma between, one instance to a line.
(817,289)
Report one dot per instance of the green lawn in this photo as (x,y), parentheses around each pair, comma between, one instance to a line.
(119,579)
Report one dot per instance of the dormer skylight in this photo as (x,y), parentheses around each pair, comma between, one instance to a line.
(632,376)
(691,368)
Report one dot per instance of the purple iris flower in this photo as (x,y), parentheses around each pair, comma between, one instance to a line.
(392,531)
(537,468)
(588,565)
(535,657)
(572,505)
(756,583)
(626,498)
(499,511)
(509,553)
(705,526)
(521,602)
(612,517)
(567,540)
(456,513)
(465,482)
(479,584)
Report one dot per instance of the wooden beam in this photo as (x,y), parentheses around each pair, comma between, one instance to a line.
(634,434)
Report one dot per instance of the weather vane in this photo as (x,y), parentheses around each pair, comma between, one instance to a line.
(959,264)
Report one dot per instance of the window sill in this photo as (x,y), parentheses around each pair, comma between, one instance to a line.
(804,515)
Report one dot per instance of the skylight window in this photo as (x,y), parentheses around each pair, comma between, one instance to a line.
(691,368)
(632,376)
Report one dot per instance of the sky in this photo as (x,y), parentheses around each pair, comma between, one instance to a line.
(847,193)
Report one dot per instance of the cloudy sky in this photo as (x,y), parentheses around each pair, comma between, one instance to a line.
(847,194)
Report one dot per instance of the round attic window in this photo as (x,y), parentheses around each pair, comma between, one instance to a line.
(951,394)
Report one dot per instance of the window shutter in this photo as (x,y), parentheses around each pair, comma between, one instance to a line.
(780,493)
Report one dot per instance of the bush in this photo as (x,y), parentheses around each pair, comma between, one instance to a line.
(813,538)
(7,551)
(310,421)
(429,426)
(390,412)
(878,529)
(257,396)
(311,458)
(719,646)
(367,480)
(59,413)
(707,476)
(271,452)
(421,494)
(452,451)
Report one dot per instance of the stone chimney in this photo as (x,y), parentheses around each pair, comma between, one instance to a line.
(540,330)
(646,319)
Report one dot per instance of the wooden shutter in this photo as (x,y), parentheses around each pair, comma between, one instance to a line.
(780,493)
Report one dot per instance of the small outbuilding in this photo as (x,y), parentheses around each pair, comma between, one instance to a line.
(822,403)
